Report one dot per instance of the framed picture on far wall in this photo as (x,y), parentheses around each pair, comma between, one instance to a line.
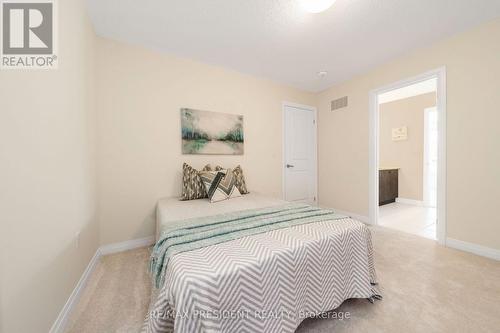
(211,133)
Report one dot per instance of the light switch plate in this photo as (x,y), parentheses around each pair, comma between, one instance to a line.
(400,133)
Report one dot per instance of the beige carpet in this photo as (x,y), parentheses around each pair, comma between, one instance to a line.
(426,288)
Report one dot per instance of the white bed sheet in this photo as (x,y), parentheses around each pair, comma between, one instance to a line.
(169,210)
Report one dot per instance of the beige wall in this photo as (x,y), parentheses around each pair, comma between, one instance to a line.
(47,177)
(407,155)
(47,149)
(473,145)
(140,96)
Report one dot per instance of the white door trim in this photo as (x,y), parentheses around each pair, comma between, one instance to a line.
(440,74)
(426,200)
(315,143)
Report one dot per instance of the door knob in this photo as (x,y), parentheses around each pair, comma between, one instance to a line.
(289,166)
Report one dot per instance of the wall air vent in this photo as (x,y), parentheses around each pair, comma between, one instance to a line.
(339,103)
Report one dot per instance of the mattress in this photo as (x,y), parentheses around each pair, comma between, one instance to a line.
(172,210)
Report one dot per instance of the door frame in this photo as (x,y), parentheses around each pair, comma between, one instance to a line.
(315,144)
(440,75)
(425,184)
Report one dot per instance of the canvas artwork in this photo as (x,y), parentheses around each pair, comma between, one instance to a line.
(214,133)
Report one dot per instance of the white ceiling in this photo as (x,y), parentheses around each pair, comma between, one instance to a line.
(278,40)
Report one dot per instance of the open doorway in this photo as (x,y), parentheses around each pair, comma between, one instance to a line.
(408,159)
(407,156)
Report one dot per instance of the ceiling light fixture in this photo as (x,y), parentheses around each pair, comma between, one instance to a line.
(316,6)
(322,74)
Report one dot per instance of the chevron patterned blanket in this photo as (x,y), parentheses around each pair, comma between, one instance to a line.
(195,233)
(261,270)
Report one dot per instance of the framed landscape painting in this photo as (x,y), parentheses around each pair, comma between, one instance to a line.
(211,133)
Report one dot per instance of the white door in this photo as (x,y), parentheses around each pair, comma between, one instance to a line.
(299,155)
(430,156)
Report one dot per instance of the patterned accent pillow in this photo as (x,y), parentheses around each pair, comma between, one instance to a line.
(220,185)
(240,178)
(192,186)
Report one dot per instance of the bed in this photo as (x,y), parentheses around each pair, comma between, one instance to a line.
(216,274)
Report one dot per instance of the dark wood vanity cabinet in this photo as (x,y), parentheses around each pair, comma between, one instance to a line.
(388,186)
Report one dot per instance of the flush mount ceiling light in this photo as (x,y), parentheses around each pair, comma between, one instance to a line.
(322,74)
(316,6)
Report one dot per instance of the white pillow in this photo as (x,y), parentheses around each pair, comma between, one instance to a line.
(220,185)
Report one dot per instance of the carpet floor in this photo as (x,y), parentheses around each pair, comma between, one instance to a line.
(426,288)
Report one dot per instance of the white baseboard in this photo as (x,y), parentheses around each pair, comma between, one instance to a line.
(410,202)
(473,248)
(59,325)
(358,217)
(61,321)
(127,245)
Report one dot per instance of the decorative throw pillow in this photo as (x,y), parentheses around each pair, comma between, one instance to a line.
(239,178)
(220,185)
(192,186)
